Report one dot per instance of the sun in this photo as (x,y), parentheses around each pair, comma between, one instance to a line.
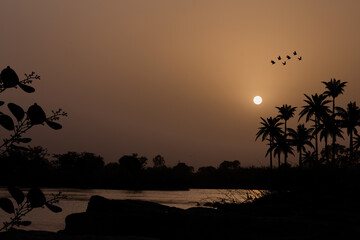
(257,100)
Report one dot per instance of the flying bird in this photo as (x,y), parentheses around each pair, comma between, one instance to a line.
(272,61)
(284,63)
(279,58)
(295,53)
(300,58)
(288,57)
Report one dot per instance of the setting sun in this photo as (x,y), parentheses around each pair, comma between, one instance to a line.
(257,100)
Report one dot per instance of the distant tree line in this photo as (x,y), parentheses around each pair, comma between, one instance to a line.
(36,167)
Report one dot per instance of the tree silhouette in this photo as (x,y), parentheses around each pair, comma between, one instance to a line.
(316,107)
(334,89)
(309,157)
(356,141)
(328,126)
(301,137)
(286,112)
(269,129)
(281,145)
(229,165)
(158,161)
(132,163)
(350,119)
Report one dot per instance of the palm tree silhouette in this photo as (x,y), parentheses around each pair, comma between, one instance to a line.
(316,106)
(269,129)
(356,141)
(281,145)
(309,157)
(328,126)
(350,119)
(334,89)
(300,138)
(286,112)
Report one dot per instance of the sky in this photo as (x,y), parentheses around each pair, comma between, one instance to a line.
(175,78)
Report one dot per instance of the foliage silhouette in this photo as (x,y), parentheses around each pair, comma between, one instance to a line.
(356,141)
(286,112)
(269,129)
(300,138)
(35,198)
(133,163)
(279,146)
(316,106)
(159,161)
(229,165)
(350,119)
(25,120)
(326,123)
(334,89)
(329,126)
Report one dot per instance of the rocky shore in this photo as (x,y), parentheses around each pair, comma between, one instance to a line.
(276,217)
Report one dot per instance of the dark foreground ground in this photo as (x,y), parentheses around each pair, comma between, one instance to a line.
(282,215)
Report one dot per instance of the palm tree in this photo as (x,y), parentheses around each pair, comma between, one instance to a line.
(286,112)
(356,141)
(309,157)
(281,145)
(300,138)
(269,129)
(328,126)
(350,119)
(334,89)
(316,106)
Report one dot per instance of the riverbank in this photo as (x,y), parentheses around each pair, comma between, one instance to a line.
(281,215)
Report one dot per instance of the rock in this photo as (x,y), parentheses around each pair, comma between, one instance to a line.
(140,218)
(122,217)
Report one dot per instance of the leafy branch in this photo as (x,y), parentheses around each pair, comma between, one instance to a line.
(35,116)
(34,199)
(10,79)
(25,120)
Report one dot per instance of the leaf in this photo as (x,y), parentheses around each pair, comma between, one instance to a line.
(36,114)
(53,208)
(17,194)
(26,88)
(23,223)
(53,125)
(7,205)
(9,77)
(17,111)
(6,122)
(24,140)
(36,198)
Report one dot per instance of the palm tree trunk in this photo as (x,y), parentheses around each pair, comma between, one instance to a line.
(271,165)
(334,135)
(300,160)
(326,151)
(316,141)
(285,154)
(279,160)
(351,147)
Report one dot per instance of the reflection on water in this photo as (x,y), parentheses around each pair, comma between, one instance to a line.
(44,219)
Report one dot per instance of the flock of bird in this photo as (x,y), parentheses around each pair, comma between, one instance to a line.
(295,55)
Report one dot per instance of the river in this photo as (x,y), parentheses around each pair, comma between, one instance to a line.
(77,199)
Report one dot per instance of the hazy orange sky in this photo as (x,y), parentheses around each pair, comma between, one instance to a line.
(175,78)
